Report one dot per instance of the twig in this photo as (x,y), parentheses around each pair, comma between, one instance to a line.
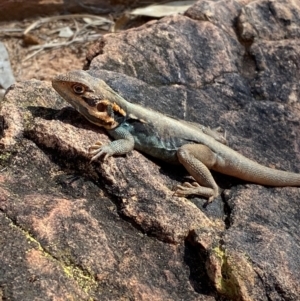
(39,48)
(50,19)
(51,45)
(77,30)
(32,54)
(75,38)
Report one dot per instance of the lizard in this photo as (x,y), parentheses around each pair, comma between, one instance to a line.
(197,148)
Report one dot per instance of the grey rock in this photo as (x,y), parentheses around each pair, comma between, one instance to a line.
(6,73)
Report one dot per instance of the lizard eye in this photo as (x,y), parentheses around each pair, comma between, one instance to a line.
(78,89)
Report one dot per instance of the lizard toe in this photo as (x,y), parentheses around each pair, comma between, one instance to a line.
(104,151)
(194,188)
(192,185)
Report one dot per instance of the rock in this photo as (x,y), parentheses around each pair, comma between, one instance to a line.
(6,74)
(61,229)
(114,230)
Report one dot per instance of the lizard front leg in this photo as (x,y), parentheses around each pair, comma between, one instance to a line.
(123,144)
(198,159)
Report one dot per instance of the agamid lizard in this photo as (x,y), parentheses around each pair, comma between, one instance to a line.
(197,148)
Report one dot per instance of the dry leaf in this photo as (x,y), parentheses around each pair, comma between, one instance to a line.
(162,10)
(66,32)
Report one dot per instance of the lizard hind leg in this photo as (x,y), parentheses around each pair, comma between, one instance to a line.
(197,159)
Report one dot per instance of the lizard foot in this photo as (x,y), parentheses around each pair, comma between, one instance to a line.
(222,134)
(98,150)
(187,189)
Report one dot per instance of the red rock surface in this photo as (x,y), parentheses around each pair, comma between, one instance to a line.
(114,230)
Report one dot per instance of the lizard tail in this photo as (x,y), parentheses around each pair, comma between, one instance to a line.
(270,177)
(251,171)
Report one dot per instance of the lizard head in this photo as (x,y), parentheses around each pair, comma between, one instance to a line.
(91,97)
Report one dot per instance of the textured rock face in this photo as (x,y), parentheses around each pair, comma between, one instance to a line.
(114,230)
